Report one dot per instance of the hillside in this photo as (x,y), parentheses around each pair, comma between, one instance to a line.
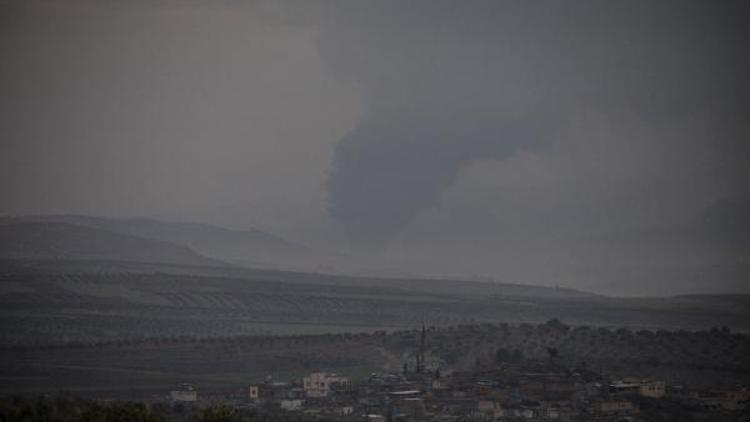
(53,302)
(245,247)
(61,241)
(154,365)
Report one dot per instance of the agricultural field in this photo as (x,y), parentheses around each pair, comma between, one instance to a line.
(46,304)
(137,369)
(128,329)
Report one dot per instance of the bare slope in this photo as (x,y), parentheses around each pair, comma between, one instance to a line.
(251,247)
(61,241)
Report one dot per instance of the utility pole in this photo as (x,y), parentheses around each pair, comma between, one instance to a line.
(420,355)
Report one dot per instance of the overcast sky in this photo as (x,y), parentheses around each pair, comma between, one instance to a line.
(580,143)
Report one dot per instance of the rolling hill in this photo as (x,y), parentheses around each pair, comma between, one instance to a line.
(251,247)
(65,242)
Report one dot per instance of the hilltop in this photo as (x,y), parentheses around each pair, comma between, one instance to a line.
(70,242)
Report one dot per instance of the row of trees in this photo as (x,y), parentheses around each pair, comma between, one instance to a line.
(66,408)
(72,409)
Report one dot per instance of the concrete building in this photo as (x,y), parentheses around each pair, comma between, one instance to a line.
(614,407)
(186,393)
(291,405)
(271,391)
(652,389)
(643,388)
(726,399)
(490,408)
(345,410)
(318,384)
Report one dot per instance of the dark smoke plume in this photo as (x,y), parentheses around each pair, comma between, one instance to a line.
(387,170)
(446,82)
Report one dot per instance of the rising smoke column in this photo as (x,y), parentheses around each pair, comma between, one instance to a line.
(445,83)
(430,86)
(387,170)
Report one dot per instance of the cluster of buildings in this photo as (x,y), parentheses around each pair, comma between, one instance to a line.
(511,393)
(520,391)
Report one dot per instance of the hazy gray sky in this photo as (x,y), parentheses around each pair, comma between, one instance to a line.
(552,142)
(161,107)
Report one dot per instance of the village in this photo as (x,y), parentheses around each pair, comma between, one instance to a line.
(513,393)
(511,389)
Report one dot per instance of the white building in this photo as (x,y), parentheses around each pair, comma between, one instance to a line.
(291,405)
(318,384)
(345,410)
(186,392)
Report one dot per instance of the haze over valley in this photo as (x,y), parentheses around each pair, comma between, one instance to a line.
(380,211)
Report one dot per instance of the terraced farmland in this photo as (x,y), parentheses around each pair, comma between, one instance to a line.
(149,327)
(138,368)
(44,307)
